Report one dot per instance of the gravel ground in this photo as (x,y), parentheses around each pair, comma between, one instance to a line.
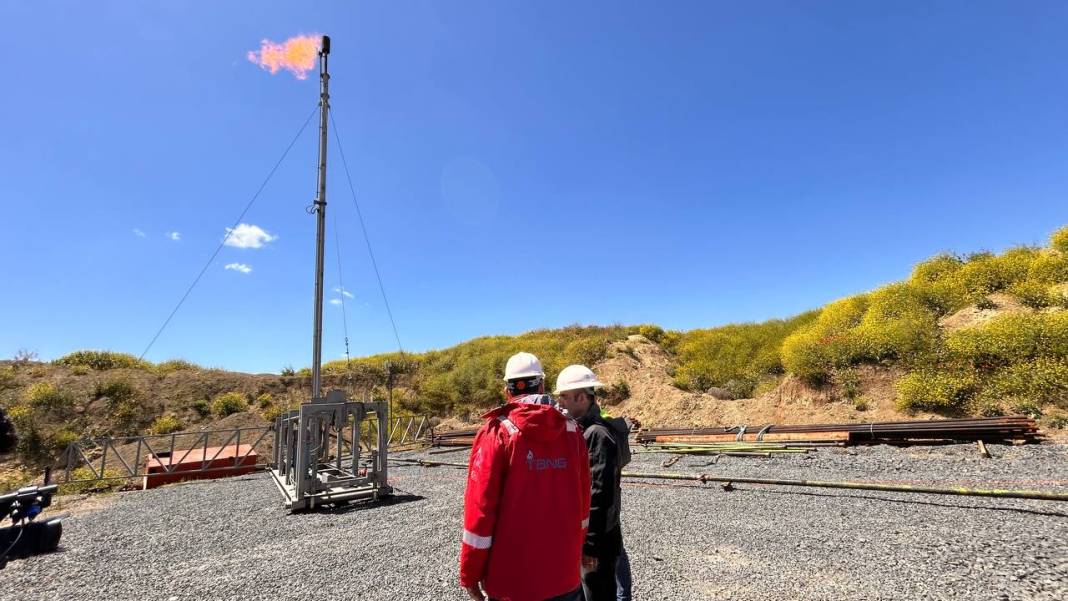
(230,539)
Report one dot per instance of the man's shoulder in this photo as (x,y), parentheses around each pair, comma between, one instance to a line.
(600,430)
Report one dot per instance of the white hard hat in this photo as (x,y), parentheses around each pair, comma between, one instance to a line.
(522,365)
(574,377)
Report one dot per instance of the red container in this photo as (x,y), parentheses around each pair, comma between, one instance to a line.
(200,464)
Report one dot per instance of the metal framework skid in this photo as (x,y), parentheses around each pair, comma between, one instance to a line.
(317,453)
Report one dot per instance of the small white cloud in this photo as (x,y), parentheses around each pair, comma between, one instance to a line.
(239,267)
(340,290)
(176,236)
(247,236)
(335,301)
(138,233)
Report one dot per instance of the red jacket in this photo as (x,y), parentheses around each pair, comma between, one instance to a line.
(527,504)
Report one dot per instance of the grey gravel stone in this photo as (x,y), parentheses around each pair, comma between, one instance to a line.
(230,539)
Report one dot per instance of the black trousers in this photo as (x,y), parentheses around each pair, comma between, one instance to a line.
(600,584)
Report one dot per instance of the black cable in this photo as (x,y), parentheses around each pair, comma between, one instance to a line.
(3,557)
(227,236)
(366,238)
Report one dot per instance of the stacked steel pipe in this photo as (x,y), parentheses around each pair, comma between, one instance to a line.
(453,438)
(993,429)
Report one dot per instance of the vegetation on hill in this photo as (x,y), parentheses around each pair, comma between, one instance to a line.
(1014,362)
(1008,361)
(468,376)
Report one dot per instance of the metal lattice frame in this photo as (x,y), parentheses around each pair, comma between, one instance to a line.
(318,455)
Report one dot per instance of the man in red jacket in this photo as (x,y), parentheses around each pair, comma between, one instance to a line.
(527,503)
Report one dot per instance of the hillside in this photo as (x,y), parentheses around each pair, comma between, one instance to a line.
(983,334)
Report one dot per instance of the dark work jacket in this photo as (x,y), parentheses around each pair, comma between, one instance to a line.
(603,538)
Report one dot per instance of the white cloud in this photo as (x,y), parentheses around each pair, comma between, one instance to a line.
(176,236)
(248,236)
(340,290)
(335,301)
(138,233)
(239,267)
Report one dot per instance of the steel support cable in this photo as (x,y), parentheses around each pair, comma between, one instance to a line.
(366,238)
(237,222)
(341,285)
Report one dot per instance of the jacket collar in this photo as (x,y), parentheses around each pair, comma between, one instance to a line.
(591,416)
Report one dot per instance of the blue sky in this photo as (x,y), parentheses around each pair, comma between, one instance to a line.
(520,164)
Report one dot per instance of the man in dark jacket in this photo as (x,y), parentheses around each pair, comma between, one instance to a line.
(604,540)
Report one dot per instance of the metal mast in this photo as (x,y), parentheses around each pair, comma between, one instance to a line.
(317,447)
(320,226)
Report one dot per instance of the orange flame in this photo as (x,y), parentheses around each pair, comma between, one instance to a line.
(296,55)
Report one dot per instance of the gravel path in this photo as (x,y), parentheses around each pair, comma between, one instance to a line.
(230,539)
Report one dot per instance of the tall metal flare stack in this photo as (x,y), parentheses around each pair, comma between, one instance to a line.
(318,458)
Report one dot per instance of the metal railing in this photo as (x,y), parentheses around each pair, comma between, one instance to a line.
(404,425)
(129,457)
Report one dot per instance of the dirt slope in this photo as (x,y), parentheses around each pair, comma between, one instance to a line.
(656,402)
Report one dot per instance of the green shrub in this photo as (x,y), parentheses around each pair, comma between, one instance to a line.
(125,416)
(765,385)
(229,403)
(59,440)
(165,424)
(271,412)
(1031,383)
(46,396)
(941,391)
(102,360)
(32,445)
(671,340)
(848,382)
(172,365)
(113,480)
(1033,294)
(938,283)
(984,273)
(1027,408)
(288,371)
(1049,268)
(1057,421)
(860,403)
(614,394)
(1059,240)
(201,406)
(813,351)
(985,303)
(740,388)
(586,351)
(7,378)
(15,478)
(985,407)
(265,400)
(1012,338)
(739,354)
(116,390)
(654,333)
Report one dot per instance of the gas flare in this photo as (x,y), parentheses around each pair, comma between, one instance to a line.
(296,55)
